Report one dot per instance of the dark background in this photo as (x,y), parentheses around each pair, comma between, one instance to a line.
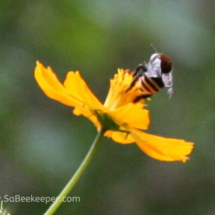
(42,143)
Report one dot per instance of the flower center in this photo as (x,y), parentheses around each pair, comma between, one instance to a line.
(118,94)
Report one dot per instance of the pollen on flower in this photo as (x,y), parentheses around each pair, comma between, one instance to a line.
(118,95)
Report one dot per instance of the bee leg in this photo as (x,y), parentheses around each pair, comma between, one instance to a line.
(132,83)
(141,68)
(138,98)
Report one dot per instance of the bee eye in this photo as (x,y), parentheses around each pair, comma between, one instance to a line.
(166,64)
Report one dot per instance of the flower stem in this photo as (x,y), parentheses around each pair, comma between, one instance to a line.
(77,175)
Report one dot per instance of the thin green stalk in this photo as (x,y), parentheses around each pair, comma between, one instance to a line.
(77,175)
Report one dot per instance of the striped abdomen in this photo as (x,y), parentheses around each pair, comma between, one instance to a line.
(149,86)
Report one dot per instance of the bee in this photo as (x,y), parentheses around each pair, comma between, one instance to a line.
(153,76)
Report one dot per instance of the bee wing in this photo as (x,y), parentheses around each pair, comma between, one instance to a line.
(168,82)
(170,92)
(154,68)
(167,79)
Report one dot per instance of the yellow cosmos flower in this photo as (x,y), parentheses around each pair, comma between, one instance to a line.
(122,120)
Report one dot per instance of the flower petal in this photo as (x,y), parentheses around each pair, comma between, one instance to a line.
(76,85)
(51,86)
(165,149)
(120,137)
(131,114)
(118,95)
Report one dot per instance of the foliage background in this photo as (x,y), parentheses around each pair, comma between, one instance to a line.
(42,143)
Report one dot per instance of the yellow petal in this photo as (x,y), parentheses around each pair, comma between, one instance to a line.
(118,95)
(77,86)
(52,87)
(160,148)
(120,137)
(133,115)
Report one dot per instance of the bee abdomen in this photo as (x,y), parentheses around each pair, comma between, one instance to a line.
(150,85)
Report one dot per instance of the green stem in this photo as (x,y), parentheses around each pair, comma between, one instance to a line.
(77,175)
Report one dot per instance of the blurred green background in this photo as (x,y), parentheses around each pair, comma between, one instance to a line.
(42,143)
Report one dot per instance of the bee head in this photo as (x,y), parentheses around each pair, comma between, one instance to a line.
(165,62)
(163,67)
